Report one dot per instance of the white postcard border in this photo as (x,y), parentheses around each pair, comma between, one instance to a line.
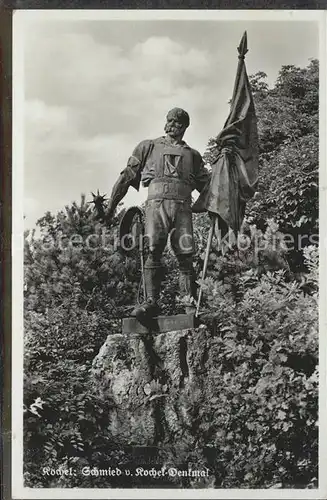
(20,19)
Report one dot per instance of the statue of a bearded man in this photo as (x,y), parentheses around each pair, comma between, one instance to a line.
(171,170)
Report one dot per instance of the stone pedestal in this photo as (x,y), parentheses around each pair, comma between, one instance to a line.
(160,324)
(157,384)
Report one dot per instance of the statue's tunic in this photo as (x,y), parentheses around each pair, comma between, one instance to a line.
(171,172)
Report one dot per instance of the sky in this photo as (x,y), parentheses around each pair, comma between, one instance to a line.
(94,89)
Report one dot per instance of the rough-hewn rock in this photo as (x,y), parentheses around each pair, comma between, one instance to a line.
(156,385)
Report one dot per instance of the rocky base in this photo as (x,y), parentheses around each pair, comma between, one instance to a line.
(157,384)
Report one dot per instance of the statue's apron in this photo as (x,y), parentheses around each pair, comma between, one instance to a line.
(168,174)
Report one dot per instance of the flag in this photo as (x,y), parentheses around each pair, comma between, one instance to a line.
(235,170)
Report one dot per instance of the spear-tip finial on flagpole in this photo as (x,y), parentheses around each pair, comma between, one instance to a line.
(243,46)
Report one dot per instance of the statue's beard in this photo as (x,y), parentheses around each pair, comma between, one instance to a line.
(174,130)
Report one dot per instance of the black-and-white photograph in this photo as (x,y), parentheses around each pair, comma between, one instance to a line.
(166,254)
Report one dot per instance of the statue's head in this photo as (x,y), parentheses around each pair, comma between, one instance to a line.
(177,122)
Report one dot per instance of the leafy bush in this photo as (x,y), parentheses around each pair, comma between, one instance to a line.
(262,416)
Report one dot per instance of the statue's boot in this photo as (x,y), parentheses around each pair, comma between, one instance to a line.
(149,308)
(187,286)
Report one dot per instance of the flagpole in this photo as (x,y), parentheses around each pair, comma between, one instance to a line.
(206,260)
(141,248)
(242,49)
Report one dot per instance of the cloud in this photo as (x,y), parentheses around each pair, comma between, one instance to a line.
(88,105)
(60,161)
(94,90)
(168,58)
(70,68)
(105,84)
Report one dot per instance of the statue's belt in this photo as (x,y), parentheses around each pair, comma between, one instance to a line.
(165,189)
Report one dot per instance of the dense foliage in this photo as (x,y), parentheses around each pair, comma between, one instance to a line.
(267,358)
(260,304)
